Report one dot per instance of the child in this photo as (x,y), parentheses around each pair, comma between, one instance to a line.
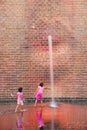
(20,99)
(39,93)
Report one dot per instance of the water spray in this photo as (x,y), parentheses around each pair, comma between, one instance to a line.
(53,103)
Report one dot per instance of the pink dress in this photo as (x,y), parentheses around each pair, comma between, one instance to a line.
(20,98)
(39,93)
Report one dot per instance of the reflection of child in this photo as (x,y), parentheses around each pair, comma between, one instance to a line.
(20,121)
(39,119)
(20,99)
(39,93)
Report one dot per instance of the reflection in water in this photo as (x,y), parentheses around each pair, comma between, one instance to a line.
(50,125)
(20,121)
(39,118)
(67,117)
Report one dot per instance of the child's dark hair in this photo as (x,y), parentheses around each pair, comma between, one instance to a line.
(20,89)
(41,84)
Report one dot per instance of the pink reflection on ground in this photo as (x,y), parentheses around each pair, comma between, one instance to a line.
(39,117)
(67,117)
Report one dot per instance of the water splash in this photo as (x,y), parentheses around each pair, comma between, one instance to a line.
(53,103)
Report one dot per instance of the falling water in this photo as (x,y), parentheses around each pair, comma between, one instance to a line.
(52,104)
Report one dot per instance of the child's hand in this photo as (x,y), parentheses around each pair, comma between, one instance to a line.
(47,88)
(12,95)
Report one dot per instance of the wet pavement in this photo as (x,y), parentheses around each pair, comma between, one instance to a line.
(66,117)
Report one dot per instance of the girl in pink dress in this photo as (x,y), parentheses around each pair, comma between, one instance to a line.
(20,99)
(39,93)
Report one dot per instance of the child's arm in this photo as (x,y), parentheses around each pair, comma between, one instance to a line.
(47,88)
(23,97)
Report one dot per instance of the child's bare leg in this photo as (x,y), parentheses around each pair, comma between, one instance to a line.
(22,107)
(17,107)
(35,103)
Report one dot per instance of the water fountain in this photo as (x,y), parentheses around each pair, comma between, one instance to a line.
(52,103)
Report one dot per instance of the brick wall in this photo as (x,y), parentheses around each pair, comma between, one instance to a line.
(24,53)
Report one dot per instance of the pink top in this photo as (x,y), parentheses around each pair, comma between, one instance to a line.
(20,96)
(40,89)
